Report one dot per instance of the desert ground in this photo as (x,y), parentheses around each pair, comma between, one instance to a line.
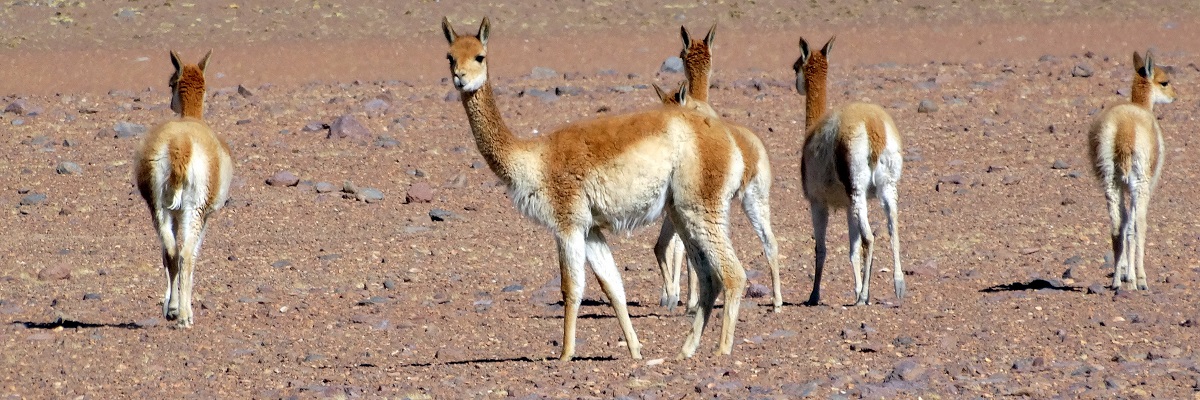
(432,285)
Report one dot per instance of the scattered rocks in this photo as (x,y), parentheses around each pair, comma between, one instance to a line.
(68,168)
(20,107)
(347,126)
(55,273)
(419,192)
(927,106)
(126,130)
(1096,288)
(1081,70)
(283,178)
(672,65)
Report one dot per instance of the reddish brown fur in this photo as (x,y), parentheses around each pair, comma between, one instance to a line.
(180,153)
(742,136)
(697,61)
(815,72)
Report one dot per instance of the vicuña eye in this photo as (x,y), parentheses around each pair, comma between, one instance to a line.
(1164,84)
(479,58)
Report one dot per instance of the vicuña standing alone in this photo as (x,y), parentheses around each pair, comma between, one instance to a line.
(755,187)
(849,155)
(1126,148)
(615,173)
(183,171)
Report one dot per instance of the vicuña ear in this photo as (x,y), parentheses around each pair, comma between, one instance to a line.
(175,60)
(1149,68)
(682,94)
(662,95)
(687,38)
(828,46)
(712,32)
(804,52)
(204,61)
(448,30)
(484,29)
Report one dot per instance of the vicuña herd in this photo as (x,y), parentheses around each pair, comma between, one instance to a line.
(679,161)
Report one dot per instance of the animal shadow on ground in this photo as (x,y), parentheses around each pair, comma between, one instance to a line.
(1036,284)
(69,324)
(511,359)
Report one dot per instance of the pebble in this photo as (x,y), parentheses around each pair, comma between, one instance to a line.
(419,192)
(376,107)
(1060,164)
(568,90)
(325,187)
(33,199)
(440,215)
(55,273)
(369,195)
(543,73)
(346,126)
(1081,70)
(512,288)
(125,130)
(757,290)
(672,65)
(907,370)
(543,95)
(68,168)
(386,142)
(313,126)
(91,296)
(927,106)
(283,178)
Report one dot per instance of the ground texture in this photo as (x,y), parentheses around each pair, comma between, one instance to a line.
(314,285)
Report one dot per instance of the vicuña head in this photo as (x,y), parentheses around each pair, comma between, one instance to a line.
(812,70)
(187,86)
(1151,84)
(182,171)
(619,173)
(697,62)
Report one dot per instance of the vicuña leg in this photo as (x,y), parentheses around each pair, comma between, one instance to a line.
(1117,215)
(668,251)
(862,246)
(571,257)
(887,196)
(1139,211)
(600,257)
(820,221)
(757,206)
(712,259)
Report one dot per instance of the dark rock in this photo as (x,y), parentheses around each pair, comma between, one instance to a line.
(33,199)
(386,142)
(757,290)
(125,130)
(91,296)
(902,341)
(55,273)
(242,90)
(281,264)
(325,187)
(389,284)
(543,95)
(512,288)
(18,107)
(347,126)
(419,192)
(1081,70)
(928,84)
(440,215)
(1047,58)
(1060,164)
(283,178)
(672,65)
(927,106)
(1073,261)
(313,126)
(68,168)
(376,107)
(907,370)
(1096,288)
(349,187)
(369,195)
(568,90)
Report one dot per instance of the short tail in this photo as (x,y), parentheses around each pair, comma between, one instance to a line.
(180,155)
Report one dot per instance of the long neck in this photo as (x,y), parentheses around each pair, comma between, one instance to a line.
(814,100)
(1140,93)
(194,109)
(697,78)
(495,141)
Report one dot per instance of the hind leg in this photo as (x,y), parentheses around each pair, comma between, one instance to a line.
(756,204)
(600,257)
(888,198)
(862,247)
(193,223)
(664,249)
(701,267)
(820,221)
(167,228)
(1138,274)
(1118,217)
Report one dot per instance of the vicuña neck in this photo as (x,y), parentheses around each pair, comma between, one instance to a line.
(697,84)
(193,110)
(1140,93)
(495,141)
(814,100)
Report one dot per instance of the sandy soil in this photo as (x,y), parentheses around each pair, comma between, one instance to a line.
(307,294)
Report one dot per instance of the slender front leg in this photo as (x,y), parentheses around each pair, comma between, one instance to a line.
(820,221)
(732,278)
(571,257)
(601,260)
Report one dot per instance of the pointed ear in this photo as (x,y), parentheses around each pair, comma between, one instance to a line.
(662,95)
(484,29)
(1149,67)
(712,32)
(687,39)
(804,52)
(175,60)
(204,61)
(448,30)
(828,46)
(682,94)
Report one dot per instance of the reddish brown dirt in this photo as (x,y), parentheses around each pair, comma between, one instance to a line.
(311,294)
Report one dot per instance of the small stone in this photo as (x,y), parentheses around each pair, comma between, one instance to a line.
(283,178)
(1081,70)
(543,95)
(512,288)
(376,106)
(672,65)
(440,215)
(369,195)
(313,357)
(349,187)
(386,142)
(389,284)
(18,107)
(1047,58)
(347,126)
(68,168)
(902,341)
(281,264)
(1060,164)
(757,290)
(313,126)
(55,273)
(927,106)
(33,199)
(459,181)
(325,187)
(452,95)
(1096,288)
(126,130)
(419,192)
(543,73)
(242,90)
(568,90)
(91,296)
(1071,273)
(907,370)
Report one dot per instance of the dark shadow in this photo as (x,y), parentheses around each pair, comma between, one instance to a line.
(69,324)
(508,360)
(1036,284)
